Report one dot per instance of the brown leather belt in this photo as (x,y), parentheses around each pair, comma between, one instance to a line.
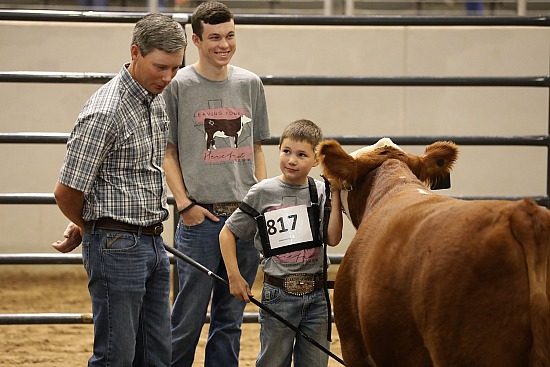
(221,209)
(297,284)
(115,225)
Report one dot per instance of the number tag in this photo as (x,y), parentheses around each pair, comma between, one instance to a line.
(288,226)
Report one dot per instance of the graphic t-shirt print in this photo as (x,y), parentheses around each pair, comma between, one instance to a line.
(227,134)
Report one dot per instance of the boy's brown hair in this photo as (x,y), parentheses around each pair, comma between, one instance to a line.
(303,130)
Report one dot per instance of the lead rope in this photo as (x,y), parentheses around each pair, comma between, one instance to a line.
(326,216)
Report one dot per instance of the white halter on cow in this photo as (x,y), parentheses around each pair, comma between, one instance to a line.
(384,142)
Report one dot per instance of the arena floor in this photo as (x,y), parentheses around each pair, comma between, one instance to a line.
(62,289)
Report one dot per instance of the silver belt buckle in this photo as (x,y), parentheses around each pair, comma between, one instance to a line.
(224,209)
(299,284)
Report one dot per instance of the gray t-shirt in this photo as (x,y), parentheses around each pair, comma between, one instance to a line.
(214,125)
(271,194)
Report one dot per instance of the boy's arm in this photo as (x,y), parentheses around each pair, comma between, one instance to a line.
(237,284)
(335,223)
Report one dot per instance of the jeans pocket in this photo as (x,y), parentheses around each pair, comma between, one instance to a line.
(118,241)
(190,227)
(270,294)
(86,256)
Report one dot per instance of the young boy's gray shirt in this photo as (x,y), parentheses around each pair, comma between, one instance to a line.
(271,194)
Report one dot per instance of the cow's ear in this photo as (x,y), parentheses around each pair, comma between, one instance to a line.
(437,163)
(337,165)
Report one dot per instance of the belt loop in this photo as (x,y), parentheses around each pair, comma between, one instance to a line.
(92,227)
(140,228)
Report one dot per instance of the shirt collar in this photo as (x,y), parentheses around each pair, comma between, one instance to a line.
(134,87)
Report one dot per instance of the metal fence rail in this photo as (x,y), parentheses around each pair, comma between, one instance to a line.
(525,140)
(76,259)
(80,318)
(401,81)
(269,19)
(304,7)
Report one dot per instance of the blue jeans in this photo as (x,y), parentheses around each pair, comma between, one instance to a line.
(196,289)
(279,343)
(129,285)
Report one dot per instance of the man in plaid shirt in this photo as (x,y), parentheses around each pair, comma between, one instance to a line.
(113,189)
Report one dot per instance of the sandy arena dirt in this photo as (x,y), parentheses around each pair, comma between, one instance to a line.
(62,289)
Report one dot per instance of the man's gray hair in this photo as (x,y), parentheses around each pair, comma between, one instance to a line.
(158,31)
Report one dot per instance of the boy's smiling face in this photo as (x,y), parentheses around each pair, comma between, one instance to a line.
(296,159)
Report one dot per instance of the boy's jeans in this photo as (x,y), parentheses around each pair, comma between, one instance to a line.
(279,343)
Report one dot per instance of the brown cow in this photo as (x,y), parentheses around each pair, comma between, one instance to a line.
(430,280)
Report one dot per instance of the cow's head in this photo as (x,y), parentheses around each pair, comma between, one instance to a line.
(353,172)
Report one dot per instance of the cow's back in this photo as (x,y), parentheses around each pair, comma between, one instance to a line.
(429,279)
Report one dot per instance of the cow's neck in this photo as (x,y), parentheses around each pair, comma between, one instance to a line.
(357,198)
(392,177)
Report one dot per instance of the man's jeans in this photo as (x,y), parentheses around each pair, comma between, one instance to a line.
(201,243)
(279,343)
(129,284)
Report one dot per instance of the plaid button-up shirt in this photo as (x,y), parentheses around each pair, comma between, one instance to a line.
(115,154)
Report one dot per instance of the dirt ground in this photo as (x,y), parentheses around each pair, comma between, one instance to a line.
(62,289)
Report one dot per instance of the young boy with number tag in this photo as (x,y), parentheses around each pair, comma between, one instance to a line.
(285,217)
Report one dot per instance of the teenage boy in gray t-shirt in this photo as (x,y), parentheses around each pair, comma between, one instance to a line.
(218,120)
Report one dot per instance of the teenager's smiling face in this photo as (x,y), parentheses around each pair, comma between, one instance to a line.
(296,159)
(218,43)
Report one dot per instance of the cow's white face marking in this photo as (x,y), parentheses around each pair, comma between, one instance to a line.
(384,142)
(221,133)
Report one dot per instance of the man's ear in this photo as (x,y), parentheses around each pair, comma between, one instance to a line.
(135,52)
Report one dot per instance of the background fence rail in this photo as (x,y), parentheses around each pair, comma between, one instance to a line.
(271,19)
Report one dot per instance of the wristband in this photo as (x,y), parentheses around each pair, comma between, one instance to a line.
(187,207)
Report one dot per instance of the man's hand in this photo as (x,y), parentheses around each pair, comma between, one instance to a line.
(72,239)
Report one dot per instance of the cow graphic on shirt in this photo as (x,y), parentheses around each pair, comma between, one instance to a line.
(227,132)
(224,128)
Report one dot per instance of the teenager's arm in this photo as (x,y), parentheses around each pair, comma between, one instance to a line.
(174,179)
